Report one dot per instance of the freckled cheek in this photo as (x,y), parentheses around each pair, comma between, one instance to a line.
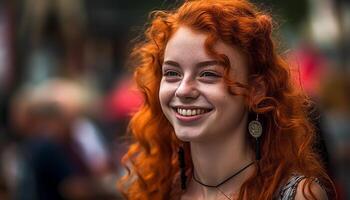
(215,96)
(235,103)
(166,93)
(223,100)
(217,92)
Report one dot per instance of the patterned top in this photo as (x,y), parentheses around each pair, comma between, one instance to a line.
(288,191)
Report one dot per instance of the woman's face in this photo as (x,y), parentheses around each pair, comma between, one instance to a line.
(193,94)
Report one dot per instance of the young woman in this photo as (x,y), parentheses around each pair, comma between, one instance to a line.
(221,117)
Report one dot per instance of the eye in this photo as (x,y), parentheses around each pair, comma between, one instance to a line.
(209,74)
(171,73)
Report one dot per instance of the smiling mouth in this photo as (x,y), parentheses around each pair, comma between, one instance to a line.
(192,111)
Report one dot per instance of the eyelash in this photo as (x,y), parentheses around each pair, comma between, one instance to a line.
(169,72)
(210,74)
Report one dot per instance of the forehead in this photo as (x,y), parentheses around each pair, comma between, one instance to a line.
(186,44)
(188,47)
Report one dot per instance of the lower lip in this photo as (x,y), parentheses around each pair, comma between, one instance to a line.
(189,118)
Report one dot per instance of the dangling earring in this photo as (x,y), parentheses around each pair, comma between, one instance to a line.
(181,157)
(255,129)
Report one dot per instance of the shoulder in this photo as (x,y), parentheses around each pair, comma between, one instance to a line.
(315,188)
(300,187)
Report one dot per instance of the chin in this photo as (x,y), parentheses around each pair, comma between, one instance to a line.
(189,137)
(183,136)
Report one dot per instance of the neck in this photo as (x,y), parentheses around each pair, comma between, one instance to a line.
(215,161)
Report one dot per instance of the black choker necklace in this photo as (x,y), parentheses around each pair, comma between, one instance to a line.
(224,181)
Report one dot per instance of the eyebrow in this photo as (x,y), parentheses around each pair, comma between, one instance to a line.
(199,65)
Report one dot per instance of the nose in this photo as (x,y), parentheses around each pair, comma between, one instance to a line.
(187,90)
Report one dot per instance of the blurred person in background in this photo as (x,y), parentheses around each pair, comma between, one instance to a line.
(54,42)
(335,100)
(222,118)
(62,154)
(54,32)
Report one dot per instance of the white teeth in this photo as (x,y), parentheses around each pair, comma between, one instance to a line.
(193,112)
(190,112)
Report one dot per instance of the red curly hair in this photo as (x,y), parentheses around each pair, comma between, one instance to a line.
(288,137)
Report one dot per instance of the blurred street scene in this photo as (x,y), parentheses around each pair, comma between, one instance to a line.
(66,93)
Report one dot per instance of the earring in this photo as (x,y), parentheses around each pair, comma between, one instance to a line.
(255,129)
(181,157)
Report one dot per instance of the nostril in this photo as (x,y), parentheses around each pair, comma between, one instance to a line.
(187,94)
(187,89)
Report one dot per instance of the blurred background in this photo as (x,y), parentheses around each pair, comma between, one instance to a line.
(66,93)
